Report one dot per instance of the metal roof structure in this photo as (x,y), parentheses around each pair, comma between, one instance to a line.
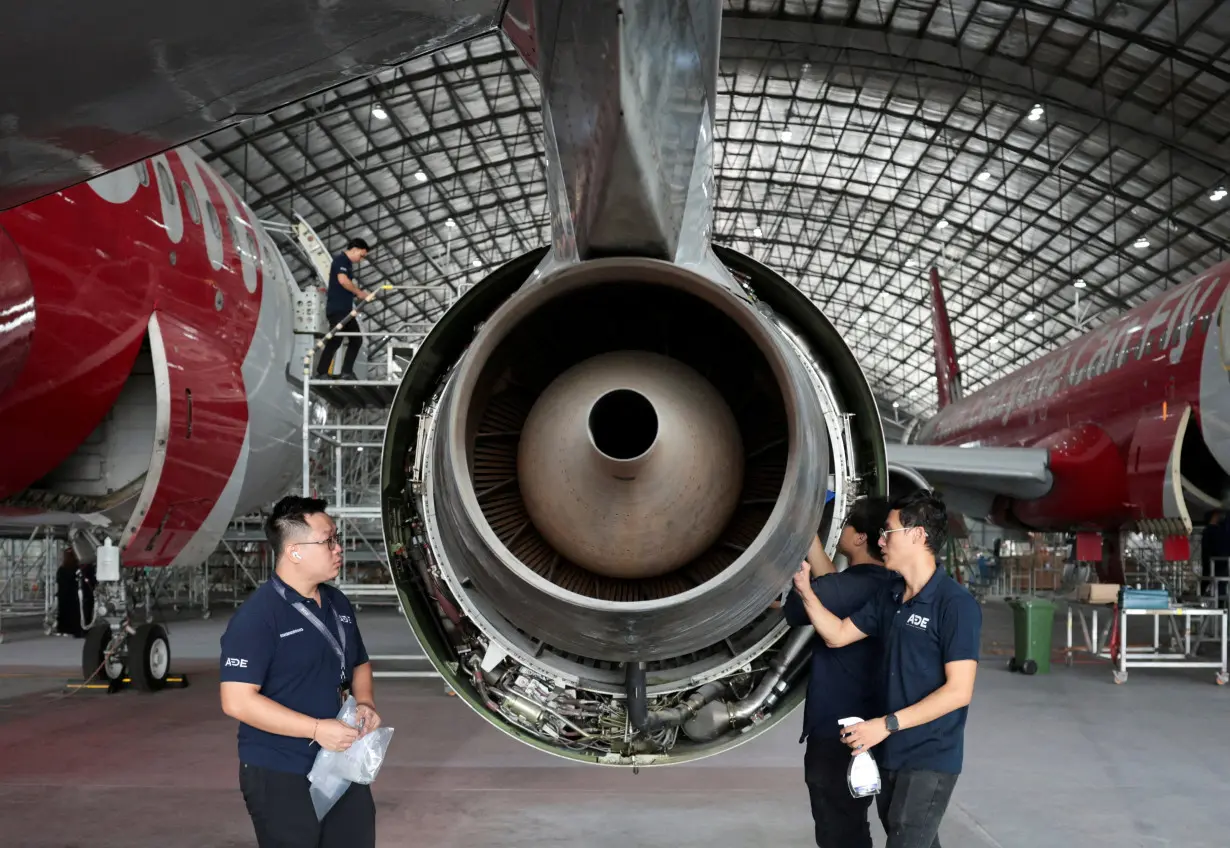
(1059,160)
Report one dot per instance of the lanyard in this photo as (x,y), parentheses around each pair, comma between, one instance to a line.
(339,649)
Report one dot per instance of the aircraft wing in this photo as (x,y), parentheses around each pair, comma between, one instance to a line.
(970,478)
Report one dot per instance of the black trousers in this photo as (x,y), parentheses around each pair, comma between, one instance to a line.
(841,820)
(353,343)
(911,805)
(282,813)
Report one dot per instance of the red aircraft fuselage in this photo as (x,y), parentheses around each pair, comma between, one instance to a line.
(145,330)
(1135,415)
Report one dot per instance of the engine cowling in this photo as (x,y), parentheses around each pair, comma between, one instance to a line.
(593,503)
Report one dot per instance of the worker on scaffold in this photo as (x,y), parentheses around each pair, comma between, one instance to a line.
(339,302)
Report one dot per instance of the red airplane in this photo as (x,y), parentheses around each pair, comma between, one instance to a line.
(145,333)
(1128,425)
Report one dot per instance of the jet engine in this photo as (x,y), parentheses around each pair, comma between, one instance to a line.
(594,504)
(608,459)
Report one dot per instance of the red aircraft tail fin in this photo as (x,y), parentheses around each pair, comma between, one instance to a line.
(947,372)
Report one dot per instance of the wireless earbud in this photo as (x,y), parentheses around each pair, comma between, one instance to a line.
(295,555)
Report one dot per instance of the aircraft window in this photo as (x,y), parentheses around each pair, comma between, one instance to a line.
(194,209)
(212,214)
(165,184)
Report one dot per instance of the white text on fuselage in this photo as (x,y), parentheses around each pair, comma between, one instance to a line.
(1165,328)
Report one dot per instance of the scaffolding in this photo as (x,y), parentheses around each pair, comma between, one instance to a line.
(344,422)
(28,578)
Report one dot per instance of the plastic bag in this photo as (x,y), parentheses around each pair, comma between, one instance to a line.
(333,772)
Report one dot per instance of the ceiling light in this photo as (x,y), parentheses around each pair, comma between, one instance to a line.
(1220,194)
(895,404)
(1035,114)
(757,232)
(477,264)
(942,224)
(1031,316)
(450,223)
(1080,284)
(984,176)
(420,176)
(1141,243)
(786,135)
(379,114)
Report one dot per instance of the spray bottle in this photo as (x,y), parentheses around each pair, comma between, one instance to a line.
(862,775)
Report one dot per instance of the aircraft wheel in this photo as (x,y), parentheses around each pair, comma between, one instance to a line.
(94,650)
(149,657)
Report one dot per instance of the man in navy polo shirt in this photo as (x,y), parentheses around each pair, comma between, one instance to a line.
(844,681)
(288,655)
(931,628)
(339,302)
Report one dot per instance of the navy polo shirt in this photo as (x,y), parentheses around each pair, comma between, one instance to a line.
(939,625)
(844,681)
(339,299)
(270,643)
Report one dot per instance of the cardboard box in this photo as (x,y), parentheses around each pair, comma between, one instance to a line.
(1097,593)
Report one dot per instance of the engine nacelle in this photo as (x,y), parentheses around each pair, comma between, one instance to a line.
(593,503)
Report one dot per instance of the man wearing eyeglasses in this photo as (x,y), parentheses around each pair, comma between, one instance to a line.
(931,628)
(844,682)
(289,655)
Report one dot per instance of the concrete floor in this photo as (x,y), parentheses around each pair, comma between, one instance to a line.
(1067,759)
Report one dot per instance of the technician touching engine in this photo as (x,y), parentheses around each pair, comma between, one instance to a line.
(844,681)
(288,656)
(931,627)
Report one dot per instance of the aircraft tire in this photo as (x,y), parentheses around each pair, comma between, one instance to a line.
(149,657)
(93,652)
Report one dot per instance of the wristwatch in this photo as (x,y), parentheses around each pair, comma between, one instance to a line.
(890,722)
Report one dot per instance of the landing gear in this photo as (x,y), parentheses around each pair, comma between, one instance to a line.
(118,652)
(114,659)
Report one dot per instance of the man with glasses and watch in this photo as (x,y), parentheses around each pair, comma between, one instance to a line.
(930,627)
(289,656)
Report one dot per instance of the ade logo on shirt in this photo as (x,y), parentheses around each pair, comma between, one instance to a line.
(918,622)
(232,662)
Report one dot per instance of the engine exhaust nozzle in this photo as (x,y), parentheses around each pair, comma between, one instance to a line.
(630,464)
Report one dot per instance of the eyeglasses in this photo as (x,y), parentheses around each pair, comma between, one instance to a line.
(884,533)
(332,541)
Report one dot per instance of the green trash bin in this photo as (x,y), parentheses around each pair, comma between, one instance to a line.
(1033,620)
